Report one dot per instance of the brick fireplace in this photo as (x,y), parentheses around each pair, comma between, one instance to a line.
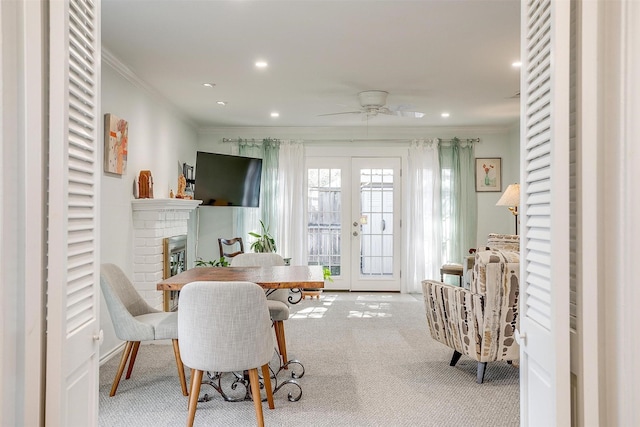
(153,221)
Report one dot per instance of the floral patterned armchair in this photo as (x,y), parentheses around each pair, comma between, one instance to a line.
(479,322)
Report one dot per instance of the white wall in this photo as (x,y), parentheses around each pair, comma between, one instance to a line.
(160,140)
(495,142)
(492,218)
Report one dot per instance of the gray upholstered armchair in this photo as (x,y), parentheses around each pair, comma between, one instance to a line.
(479,322)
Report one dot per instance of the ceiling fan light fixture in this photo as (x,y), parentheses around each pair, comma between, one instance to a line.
(372,103)
(373,98)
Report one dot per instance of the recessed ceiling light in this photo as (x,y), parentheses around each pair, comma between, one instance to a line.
(516,64)
(275,114)
(223,103)
(208,84)
(261,64)
(445,115)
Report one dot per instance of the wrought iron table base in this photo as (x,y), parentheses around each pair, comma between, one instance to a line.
(241,379)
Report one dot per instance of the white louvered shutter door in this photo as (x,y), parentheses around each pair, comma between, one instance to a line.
(544,288)
(74,175)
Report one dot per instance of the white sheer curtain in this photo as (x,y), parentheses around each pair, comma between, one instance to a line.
(292,233)
(424,239)
(248,219)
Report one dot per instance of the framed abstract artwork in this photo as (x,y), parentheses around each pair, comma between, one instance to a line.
(116,139)
(488,174)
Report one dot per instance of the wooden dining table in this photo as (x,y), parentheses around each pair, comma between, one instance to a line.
(295,277)
(271,278)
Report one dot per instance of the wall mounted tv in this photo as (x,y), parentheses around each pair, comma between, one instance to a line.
(224,180)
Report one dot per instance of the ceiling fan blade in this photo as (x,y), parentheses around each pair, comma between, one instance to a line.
(402,113)
(411,114)
(337,114)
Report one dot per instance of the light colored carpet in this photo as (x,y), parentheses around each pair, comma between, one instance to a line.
(369,361)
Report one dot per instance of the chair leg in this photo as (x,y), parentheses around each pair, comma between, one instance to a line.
(180,366)
(132,359)
(455,358)
(482,366)
(193,374)
(123,362)
(266,374)
(278,325)
(196,381)
(255,393)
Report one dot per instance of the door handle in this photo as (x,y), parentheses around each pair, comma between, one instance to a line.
(99,336)
(355,234)
(521,338)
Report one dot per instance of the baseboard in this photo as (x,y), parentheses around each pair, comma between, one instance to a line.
(120,347)
(114,351)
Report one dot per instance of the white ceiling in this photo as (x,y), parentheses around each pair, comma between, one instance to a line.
(431,56)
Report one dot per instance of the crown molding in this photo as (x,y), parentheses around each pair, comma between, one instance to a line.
(349,132)
(121,68)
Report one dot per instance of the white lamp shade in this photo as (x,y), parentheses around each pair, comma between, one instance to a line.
(511,196)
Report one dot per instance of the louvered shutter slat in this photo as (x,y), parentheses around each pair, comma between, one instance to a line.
(81,163)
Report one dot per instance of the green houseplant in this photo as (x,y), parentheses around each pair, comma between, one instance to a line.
(265,242)
(222,262)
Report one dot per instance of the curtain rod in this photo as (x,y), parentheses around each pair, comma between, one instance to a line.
(468,140)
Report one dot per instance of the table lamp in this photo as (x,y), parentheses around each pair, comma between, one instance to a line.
(511,198)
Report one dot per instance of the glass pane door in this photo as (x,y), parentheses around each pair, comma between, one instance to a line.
(326,196)
(353,221)
(375,233)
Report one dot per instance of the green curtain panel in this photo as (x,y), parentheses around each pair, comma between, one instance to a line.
(458,199)
(248,219)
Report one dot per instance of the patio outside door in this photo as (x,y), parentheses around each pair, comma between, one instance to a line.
(354,221)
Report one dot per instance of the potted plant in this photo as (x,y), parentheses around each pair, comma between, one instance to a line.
(222,262)
(265,242)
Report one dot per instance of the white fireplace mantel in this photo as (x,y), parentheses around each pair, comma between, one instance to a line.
(164,204)
(154,220)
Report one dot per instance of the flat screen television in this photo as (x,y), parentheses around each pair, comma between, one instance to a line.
(224,180)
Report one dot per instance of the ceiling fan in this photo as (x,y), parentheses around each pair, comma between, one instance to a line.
(372,103)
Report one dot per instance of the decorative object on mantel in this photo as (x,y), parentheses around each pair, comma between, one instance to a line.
(187,171)
(488,174)
(116,138)
(145,185)
(171,196)
(182,184)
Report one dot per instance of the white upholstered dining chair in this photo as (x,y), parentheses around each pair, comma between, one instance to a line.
(134,320)
(277,301)
(225,327)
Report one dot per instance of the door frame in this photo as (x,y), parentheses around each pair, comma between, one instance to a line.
(23,248)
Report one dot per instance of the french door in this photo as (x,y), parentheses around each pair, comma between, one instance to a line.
(353,211)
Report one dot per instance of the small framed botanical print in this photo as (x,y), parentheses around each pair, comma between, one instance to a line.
(488,174)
